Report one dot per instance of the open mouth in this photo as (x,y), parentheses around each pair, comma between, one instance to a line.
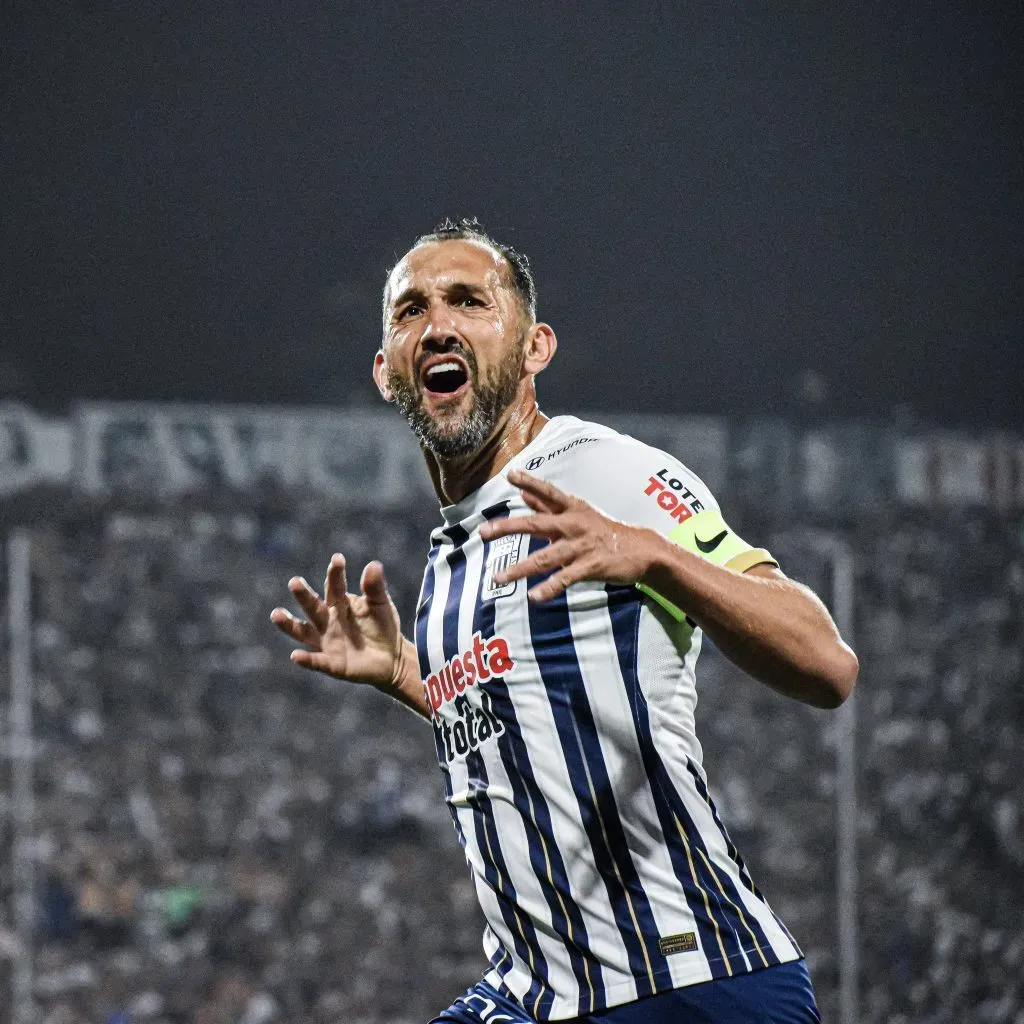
(445,377)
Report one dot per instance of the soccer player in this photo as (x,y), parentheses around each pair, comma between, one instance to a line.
(554,653)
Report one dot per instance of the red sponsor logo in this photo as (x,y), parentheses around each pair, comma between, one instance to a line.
(673,496)
(486,658)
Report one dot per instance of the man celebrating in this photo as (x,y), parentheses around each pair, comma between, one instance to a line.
(556,641)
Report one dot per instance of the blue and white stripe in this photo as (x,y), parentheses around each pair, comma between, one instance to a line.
(587,822)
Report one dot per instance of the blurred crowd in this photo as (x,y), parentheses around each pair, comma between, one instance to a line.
(223,838)
(940,768)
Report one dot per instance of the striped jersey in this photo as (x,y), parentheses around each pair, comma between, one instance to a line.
(565,735)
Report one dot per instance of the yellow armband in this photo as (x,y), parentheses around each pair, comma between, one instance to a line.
(707,535)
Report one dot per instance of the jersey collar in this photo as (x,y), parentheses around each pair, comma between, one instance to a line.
(491,490)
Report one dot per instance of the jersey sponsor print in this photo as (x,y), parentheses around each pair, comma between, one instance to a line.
(565,734)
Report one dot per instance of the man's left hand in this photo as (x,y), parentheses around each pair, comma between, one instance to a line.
(584,544)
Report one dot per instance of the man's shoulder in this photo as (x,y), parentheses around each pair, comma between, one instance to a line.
(570,435)
(616,472)
(569,445)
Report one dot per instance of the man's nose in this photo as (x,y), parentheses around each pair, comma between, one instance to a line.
(439,329)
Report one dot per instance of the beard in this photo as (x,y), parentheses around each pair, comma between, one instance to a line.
(455,434)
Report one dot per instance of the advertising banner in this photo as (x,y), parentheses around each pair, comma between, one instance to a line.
(369,457)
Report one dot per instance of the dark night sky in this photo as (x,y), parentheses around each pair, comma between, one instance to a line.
(202,206)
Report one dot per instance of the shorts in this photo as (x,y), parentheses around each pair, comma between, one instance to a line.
(774,995)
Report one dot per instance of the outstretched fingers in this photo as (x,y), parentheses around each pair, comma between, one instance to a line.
(309,601)
(558,582)
(374,585)
(298,629)
(542,524)
(336,584)
(379,606)
(312,660)
(538,492)
(548,559)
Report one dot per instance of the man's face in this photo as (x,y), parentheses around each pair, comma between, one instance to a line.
(453,344)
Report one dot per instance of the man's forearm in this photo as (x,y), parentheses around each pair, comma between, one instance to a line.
(773,628)
(407,687)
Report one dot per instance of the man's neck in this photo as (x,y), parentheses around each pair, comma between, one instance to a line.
(453,479)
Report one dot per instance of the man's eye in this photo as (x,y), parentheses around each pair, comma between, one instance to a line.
(407,312)
(469,300)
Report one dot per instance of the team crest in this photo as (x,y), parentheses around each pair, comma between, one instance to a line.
(503,552)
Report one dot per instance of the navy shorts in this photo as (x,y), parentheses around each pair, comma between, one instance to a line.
(773,995)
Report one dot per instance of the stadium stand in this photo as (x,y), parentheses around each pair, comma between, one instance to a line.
(224,838)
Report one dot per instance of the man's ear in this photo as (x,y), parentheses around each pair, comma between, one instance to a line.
(380,377)
(541,345)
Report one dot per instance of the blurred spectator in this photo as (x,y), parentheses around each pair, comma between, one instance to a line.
(223,838)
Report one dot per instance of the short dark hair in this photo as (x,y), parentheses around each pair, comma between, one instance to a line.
(470,229)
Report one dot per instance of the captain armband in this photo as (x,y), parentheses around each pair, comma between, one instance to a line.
(707,535)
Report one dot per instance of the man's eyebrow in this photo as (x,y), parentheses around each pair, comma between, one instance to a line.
(405,296)
(465,286)
(412,293)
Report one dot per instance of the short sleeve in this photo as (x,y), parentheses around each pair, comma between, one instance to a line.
(644,486)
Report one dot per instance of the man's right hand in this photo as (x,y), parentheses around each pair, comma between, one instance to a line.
(356,637)
(350,636)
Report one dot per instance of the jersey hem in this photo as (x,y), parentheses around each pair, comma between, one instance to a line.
(624,992)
